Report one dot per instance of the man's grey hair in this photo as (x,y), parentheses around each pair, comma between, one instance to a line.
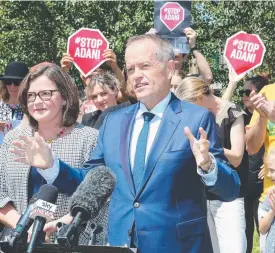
(165,51)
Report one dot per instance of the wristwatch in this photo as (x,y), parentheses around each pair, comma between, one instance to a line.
(212,166)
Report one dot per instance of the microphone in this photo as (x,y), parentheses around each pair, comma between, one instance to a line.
(86,202)
(43,210)
(17,239)
(25,222)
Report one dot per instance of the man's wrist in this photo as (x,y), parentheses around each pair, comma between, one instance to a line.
(211,166)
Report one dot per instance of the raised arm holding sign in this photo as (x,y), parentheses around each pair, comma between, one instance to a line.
(244,52)
(86,46)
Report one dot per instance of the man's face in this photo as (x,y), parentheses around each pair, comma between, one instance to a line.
(149,77)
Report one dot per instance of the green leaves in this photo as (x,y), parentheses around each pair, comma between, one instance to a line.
(36,31)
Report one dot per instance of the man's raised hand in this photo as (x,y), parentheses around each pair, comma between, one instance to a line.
(200,148)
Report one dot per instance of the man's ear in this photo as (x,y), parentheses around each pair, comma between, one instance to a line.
(171,68)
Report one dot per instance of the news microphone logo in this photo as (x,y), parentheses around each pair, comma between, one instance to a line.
(43,209)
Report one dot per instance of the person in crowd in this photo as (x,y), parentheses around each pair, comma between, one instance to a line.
(158,204)
(202,63)
(261,131)
(11,113)
(111,60)
(223,216)
(256,169)
(128,93)
(102,91)
(267,207)
(50,101)
(180,59)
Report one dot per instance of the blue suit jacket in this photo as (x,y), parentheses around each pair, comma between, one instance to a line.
(169,208)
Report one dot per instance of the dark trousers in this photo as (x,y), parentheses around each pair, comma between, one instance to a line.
(251,204)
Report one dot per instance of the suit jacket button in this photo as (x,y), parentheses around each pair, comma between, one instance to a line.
(136,205)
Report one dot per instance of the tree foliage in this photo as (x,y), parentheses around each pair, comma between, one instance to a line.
(216,22)
(37,31)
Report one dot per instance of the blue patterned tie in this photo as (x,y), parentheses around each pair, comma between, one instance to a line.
(139,162)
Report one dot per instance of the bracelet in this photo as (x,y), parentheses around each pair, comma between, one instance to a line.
(212,166)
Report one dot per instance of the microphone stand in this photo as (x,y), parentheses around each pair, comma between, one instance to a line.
(68,235)
(95,229)
(15,242)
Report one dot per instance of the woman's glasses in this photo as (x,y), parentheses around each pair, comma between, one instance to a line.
(43,94)
(15,83)
(244,92)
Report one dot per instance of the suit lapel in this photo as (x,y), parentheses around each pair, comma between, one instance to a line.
(125,140)
(168,125)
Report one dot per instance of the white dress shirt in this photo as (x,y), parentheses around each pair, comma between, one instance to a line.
(209,179)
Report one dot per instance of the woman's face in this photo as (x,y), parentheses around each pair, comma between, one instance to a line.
(102,98)
(13,88)
(248,86)
(47,109)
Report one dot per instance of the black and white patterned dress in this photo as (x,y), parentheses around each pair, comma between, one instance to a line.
(74,149)
(11,115)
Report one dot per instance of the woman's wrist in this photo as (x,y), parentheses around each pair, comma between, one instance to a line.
(232,83)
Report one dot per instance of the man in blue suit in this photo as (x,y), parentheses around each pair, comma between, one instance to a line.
(165,154)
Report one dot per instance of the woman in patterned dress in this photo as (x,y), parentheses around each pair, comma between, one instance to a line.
(50,101)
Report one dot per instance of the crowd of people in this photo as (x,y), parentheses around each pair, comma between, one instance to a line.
(194,172)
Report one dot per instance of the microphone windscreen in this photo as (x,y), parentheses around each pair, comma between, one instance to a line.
(48,192)
(92,193)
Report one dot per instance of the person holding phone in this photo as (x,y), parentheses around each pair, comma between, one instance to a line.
(10,110)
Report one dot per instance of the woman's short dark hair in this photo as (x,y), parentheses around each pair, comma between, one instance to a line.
(259,81)
(66,87)
(105,80)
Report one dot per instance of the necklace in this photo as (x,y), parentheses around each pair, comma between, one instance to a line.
(60,134)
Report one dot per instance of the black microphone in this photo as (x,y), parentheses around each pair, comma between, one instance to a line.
(17,239)
(86,202)
(25,222)
(43,210)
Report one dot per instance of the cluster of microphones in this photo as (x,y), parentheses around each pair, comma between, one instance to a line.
(85,204)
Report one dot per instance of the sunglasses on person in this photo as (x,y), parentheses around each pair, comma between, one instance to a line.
(244,92)
(44,95)
(15,83)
